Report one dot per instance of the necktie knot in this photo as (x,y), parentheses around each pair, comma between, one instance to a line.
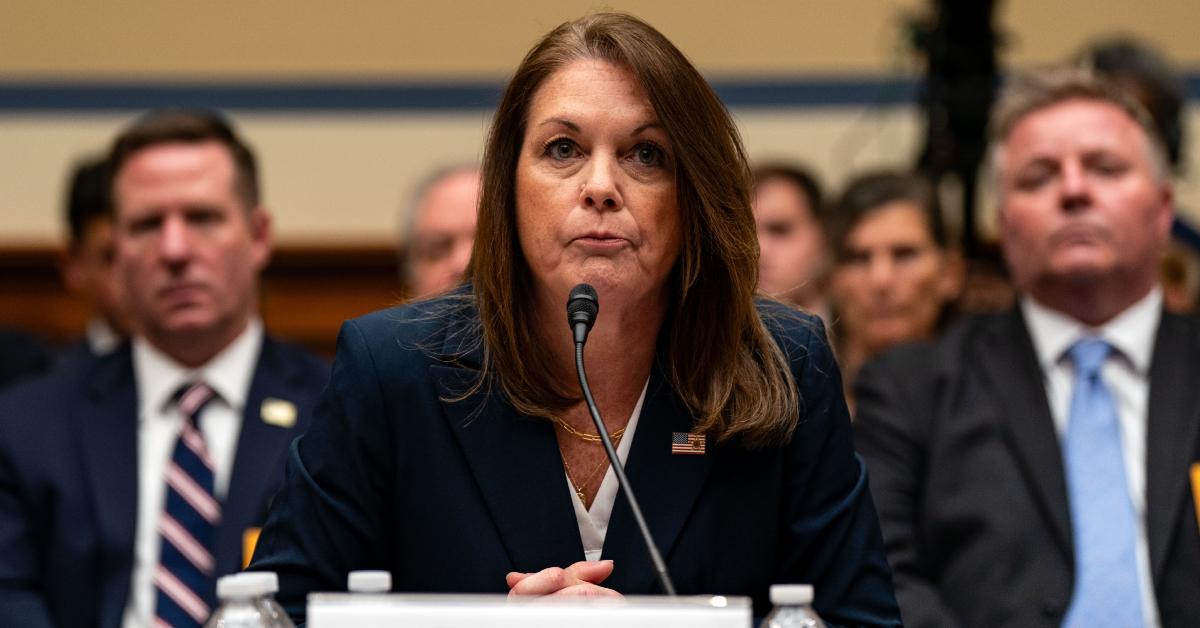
(192,397)
(1089,355)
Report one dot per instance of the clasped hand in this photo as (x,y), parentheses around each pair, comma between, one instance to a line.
(582,578)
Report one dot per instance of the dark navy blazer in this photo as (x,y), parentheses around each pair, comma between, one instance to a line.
(68,482)
(449,496)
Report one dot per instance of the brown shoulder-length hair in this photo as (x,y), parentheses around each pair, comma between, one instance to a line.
(720,357)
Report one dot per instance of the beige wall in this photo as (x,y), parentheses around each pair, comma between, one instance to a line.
(299,38)
(341,176)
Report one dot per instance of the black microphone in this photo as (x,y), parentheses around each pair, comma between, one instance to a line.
(582,307)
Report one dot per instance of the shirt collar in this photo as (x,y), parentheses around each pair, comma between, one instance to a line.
(1131,333)
(228,373)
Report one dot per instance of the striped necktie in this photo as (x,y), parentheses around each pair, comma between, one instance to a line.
(1103,520)
(185,578)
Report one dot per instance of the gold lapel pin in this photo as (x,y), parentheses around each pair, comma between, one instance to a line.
(278,412)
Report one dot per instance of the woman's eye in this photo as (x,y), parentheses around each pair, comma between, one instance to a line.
(562,149)
(648,155)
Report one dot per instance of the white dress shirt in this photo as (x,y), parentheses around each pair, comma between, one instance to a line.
(1127,374)
(158,377)
(593,523)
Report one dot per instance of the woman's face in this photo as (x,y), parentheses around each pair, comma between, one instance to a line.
(596,198)
(892,279)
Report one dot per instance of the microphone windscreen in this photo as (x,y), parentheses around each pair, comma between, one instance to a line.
(583,300)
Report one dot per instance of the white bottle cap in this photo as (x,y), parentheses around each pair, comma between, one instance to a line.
(237,586)
(791,594)
(268,581)
(369,582)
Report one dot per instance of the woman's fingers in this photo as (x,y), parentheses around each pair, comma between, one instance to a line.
(544,582)
(593,571)
(577,579)
(513,577)
(587,589)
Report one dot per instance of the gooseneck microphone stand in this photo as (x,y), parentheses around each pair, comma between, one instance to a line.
(582,307)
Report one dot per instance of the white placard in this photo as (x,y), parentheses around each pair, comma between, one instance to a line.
(339,610)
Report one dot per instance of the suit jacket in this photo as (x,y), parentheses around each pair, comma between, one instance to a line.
(969,481)
(450,495)
(21,355)
(68,482)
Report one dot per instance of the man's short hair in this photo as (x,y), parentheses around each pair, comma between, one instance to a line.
(802,179)
(1034,91)
(87,198)
(188,126)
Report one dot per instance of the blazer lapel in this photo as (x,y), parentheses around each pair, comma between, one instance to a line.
(108,427)
(1174,416)
(666,486)
(255,473)
(517,467)
(1017,382)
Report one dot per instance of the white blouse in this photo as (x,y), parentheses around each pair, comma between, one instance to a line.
(593,524)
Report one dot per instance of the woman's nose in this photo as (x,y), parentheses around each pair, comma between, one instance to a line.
(600,187)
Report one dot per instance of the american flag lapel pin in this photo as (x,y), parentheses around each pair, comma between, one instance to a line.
(687,443)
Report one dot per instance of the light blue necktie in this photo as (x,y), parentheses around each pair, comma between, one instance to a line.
(1103,521)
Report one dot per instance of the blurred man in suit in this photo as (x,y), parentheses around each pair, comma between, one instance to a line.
(87,262)
(439,229)
(1031,468)
(793,246)
(128,481)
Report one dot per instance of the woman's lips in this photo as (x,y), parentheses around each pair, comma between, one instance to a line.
(601,241)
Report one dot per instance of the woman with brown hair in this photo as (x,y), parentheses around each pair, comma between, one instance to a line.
(453,447)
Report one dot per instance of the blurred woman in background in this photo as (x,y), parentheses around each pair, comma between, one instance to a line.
(894,278)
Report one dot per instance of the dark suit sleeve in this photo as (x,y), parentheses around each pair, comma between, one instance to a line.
(831,533)
(329,517)
(21,604)
(895,406)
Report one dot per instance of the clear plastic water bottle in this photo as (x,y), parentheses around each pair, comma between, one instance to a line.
(369,582)
(268,587)
(793,607)
(247,601)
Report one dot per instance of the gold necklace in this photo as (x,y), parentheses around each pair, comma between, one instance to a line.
(591,438)
(581,489)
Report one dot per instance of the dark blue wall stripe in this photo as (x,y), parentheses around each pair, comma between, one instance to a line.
(83,97)
(333,97)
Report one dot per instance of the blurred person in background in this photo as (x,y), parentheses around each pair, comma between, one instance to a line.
(1138,67)
(793,251)
(894,277)
(439,228)
(87,262)
(1036,467)
(129,481)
